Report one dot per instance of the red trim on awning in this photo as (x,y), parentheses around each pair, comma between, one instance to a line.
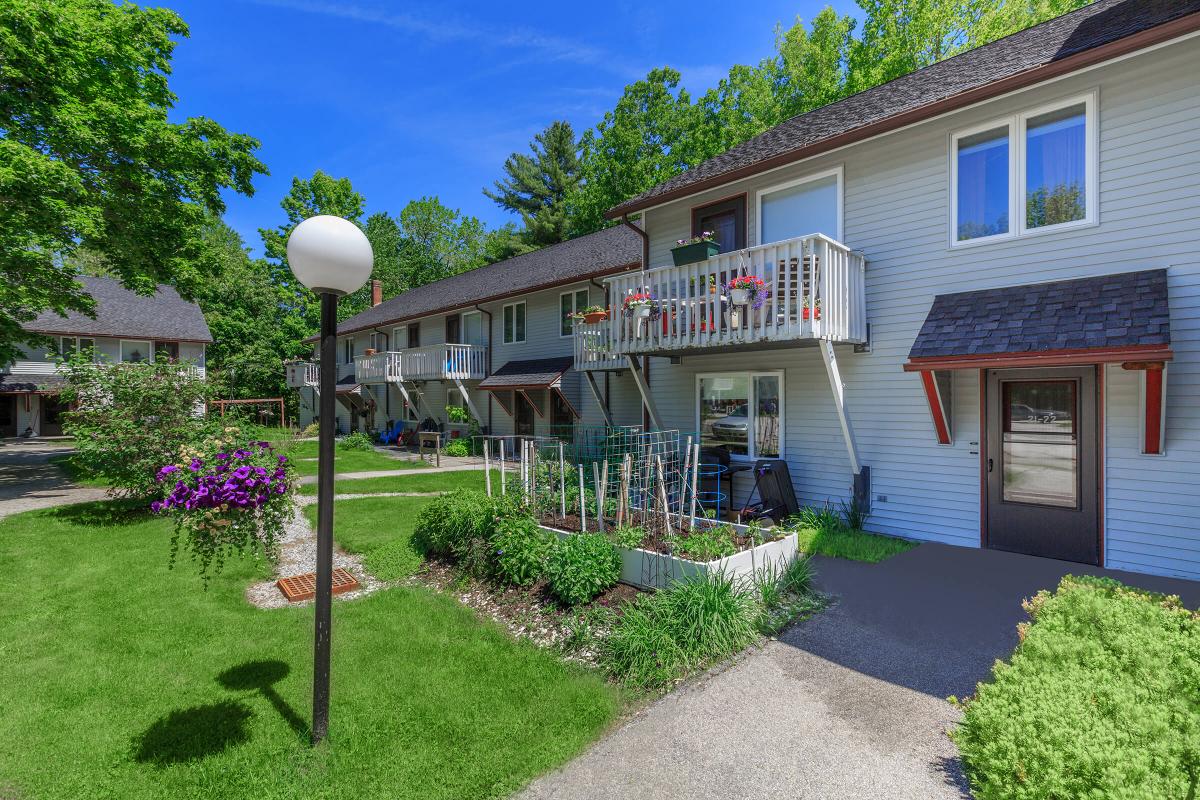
(1154,411)
(1045,358)
(941,423)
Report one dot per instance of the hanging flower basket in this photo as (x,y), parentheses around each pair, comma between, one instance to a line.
(640,305)
(591,315)
(810,313)
(697,248)
(745,289)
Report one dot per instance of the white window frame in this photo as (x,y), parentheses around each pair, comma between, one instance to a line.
(348,350)
(149,350)
(1017,125)
(379,338)
(396,337)
(483,332)
(575,308)
(504,333)
(750,375)
(839,171)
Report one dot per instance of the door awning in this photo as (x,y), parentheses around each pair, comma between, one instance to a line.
(522,377)
(348,385)
(1122,318)
(1107,318)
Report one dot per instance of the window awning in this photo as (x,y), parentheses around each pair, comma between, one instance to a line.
(522,377)
(1122,318)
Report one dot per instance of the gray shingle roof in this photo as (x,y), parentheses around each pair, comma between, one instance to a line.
(1105,311)
(610,250)
(964,77)
(122,313)
(31,383)
(535,372)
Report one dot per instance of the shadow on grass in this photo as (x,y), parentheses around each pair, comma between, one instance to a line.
(103,513)
(193,733)
(260,676)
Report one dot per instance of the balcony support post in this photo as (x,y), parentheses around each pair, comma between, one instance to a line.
(839,402)
(470,403)
(635,369)
(603,406)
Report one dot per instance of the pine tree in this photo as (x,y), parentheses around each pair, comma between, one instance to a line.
(538,186)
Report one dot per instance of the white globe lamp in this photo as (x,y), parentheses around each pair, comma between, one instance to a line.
(332,257)
(329,255)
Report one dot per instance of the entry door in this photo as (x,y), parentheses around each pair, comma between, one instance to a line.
(472,327)
(1041,463)
(454,329)
(524,414)
(52,411)
(8,415)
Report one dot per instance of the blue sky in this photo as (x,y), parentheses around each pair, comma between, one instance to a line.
(411,99)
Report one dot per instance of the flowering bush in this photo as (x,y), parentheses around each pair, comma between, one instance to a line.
(637,300)
(753,284)
(705,236)
(226,500)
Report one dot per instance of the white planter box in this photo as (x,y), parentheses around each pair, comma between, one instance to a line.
(650,570)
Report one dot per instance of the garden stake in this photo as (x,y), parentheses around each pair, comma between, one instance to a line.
(562,480)
(599,497)
(687,456)
(487,467)
(695,478)
(503,489)
(662,493)
(603,489)
(582,505)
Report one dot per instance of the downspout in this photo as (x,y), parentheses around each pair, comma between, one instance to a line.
(488,365)
(645,262)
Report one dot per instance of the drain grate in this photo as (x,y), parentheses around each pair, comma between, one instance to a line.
(304,587)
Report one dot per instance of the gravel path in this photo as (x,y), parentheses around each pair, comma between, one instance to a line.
(389,473)
(29,481)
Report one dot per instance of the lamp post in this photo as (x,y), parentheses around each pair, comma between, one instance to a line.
(332,257)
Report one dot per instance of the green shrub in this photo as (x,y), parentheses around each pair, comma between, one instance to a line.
(521,549)
(660,638)
(706,544)
(310,430)
(629,536)
(1100,699)
(775,581)
(447,526)
(582,566)
(823,520)
(457,414)
(394,560)
(457,448)
(356,441)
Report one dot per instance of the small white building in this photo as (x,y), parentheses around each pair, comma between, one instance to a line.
(127,327)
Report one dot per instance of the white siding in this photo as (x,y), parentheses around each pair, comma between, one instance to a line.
(896,211)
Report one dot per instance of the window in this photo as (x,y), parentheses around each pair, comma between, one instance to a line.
(133,351)
(472,328)
(570,303)
(166,351)
(726,219)
(514,323)
(348,351)
(379,342)
(70,345)
(1030,173)
(742,412)
(454,329)
(400,337)
(414,334)
(1041,443)
(810,205)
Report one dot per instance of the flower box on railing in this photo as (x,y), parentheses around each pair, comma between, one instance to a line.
(696,251)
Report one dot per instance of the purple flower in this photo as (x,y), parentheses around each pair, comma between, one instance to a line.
(196,465)
(222,456)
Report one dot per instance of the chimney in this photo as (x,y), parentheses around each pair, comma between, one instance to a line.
(376,292)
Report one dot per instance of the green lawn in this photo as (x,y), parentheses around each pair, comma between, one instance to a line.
(124,679)
(66,463)
(851,544)
(304,455)
(381,529)
(423,482)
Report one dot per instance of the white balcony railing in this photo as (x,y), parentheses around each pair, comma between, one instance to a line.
(303,374)
(815,289)
(54,368)
(432,362)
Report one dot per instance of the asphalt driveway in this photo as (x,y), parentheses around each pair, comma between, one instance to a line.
(28,480)
(850,704)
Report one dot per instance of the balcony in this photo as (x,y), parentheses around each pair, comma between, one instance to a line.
(815,290)
(303,374)
(461,362)
(54,368)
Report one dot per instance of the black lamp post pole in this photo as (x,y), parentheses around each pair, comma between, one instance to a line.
(324,598)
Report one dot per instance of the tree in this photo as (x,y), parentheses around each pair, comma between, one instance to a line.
(320,194)
(439,241)
(91,160)
(643,141)
(387,242)
(538,186)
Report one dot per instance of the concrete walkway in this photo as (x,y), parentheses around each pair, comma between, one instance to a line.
(850,704)
(392,473)
(28,480)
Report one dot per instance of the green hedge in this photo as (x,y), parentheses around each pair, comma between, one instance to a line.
(1100,699)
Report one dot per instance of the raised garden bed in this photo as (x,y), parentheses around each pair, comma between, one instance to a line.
(655,565)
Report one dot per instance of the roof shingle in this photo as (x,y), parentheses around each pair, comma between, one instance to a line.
(1101,23)
(122,313)
(1105,311)
(610,250)
(532,373)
